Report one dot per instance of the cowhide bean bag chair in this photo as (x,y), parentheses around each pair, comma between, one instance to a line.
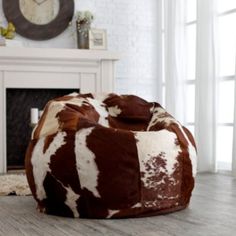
(109,157)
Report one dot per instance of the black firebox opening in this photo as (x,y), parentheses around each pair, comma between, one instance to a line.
(18,104)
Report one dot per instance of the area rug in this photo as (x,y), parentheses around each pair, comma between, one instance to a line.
(14,184)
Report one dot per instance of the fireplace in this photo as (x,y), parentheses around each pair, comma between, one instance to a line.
(27,74)
(19,103)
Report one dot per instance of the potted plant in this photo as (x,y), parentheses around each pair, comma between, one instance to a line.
(83,24)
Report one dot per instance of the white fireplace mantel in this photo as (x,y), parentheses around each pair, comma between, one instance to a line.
(88,70)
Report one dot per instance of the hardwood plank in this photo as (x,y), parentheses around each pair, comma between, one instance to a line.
(212,212)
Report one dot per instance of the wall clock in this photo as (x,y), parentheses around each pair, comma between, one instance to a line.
(39,19)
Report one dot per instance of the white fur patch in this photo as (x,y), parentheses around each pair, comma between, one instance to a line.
(137,205)
(159,116)
(85,162)
(40,161)
(112,213)
(51,124)
(101,110)
(114,111)
(152,144)
(193,158)
(101,96)
(71,198)
(77,101)
(74,94)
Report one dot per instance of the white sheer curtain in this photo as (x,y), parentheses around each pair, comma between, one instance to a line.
(207,80)
(159,54)
(234,135)
(175,72)
(206,84)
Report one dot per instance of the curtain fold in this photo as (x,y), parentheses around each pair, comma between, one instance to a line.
(206,86)
(159,53)
(234,134)
(175,71)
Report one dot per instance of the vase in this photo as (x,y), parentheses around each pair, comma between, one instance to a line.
(2,41)
(83,35)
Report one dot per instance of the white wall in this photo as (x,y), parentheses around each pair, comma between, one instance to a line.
(131,26)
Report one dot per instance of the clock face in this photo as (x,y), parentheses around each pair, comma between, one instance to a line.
(39,19)
(39,12)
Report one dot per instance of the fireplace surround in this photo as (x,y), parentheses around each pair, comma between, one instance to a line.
(32,68)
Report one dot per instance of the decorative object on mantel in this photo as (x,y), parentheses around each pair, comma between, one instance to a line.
(39,19)
(2,41)
(34,116)
(14,184)
(97,39)
(7,35)
(83,24)
(8,32)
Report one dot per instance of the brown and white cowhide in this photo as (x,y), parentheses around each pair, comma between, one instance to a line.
(109,156)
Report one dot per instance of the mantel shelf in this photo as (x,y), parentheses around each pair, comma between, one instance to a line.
(56,54)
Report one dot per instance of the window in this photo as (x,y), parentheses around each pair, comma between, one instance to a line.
(190,32)
(226,5)
(226,75)
(163,55)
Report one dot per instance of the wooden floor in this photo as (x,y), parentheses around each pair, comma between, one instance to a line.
(212,212)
